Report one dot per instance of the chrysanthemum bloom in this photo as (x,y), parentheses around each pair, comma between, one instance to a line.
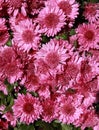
(89,99)
(89,69)
(15,5)
(13,71)
(27,35)
(69,7)
(3,9)
(69,109)
(95,54)
(27,108)
(7,55)
(44,91)
(4,35)
(71,73)
(91,11)
(3,125)
(93,85)
(10,66)
(34,6)
(51,20)
(10,118)
(88,36)
(54,55)
(32,80)
(14,20)
(90,119)
(50,110)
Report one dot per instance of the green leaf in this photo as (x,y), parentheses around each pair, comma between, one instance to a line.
(72,32)
(10,100)
(44,125)
(9,43)
(45,39)
(62,36)
(66,127)
(26,127)
(34,94)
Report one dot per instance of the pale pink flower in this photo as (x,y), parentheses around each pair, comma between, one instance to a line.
(26,35)
(51,20)
(88,36)
(91,11)
(27,108)
(54,55)
(4,35)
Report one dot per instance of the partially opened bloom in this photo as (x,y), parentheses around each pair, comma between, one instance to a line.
(88,36)
(27,108)
(26,35)
(4,35)
(91,11)
(51,20)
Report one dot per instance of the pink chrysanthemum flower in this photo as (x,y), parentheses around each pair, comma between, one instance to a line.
(50,112)
(69,7)
(34,6)
(13,6)
(95,54)
(91,11)
(10,66)
(44,92)
(27,108)
(88,36)
(32,80)
(4,35)
(13,71)
(7,55)
(89,69)
(69,109)
(27,35)
(54,55)
(90,119)
(51,20)
(10,118)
